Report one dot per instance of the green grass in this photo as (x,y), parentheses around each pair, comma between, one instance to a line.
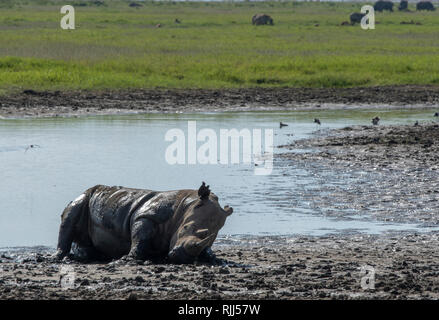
(117,47)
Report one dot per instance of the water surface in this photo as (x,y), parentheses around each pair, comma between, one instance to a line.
(74,154)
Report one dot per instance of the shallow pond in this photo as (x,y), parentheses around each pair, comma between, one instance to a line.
(73,154)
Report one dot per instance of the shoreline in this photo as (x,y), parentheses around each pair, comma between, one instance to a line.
(35,104)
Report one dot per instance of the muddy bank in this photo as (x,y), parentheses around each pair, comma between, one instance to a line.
(30,103)
(388,173)
(405,266)
(376,146)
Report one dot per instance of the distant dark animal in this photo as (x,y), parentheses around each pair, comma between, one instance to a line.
(382,5)
(345,23)
(158,25)
(281,124)
(416,124)
(425,5)
(262,19)
(375,121)
(317,121)
(177,21)
(30,91)
(356,17)
(403,5)
(436,114)
(135,5)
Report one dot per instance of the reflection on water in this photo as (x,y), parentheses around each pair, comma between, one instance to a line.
(76,153)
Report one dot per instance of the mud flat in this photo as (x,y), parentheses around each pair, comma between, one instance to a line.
(393,171)
(406,267)
(30,103)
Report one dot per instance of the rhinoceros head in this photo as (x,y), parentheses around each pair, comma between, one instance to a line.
(199,226)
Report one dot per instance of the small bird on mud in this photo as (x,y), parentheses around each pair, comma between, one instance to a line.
(317,121)
(375,121)
(416,124)
(177,21)
(32,146)
(281,124)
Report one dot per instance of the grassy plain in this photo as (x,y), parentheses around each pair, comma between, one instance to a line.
(115,46)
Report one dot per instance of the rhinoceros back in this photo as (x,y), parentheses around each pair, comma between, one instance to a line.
(116,208)
(112,210)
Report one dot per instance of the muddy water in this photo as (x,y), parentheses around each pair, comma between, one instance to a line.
(72,154)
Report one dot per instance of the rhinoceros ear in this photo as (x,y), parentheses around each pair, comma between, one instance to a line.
(203,191)
(228,210)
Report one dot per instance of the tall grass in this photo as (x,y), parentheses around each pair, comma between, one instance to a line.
(215,46)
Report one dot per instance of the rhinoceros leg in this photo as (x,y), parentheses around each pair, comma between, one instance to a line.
(142,237)
(207,255)
(69,220)
(87,253)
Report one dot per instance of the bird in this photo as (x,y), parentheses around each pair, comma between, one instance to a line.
(416,123)
(436,114)
(203,191)
(177,21)
(281,124)
(317,121)
(32,146)
(375,121)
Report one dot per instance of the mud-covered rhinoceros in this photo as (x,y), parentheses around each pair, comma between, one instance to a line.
(113,222)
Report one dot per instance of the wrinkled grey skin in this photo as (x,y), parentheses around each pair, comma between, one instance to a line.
(356,17)
(425,5)
(261,19)
(112,222)
(383,5)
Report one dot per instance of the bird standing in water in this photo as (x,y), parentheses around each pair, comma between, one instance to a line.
(375,121)
(317,122)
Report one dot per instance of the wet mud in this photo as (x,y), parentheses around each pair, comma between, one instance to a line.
(387,173)
(31,103)
(403,266)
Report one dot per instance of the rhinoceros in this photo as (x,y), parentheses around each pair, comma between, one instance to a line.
(261,19)
(114,222)
(425,5)
(382,5)
(356,17)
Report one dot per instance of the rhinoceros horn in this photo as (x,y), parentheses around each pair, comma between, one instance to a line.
(201,233)
(194,248)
